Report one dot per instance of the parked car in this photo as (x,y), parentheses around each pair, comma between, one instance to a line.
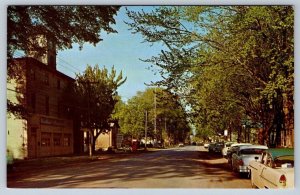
(218,147)
(211,147)
(206,145)
(233,149)
(225,148)
(244,155)
(181,144)
(274,170)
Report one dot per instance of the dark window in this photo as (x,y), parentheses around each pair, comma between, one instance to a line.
(47,105)
(33,100)
(67,139)
(45,139)
(46,78)
(57,139)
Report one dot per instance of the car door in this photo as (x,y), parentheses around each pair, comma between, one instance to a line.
(257,175)
(266,173)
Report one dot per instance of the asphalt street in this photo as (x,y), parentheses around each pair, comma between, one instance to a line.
(180,167)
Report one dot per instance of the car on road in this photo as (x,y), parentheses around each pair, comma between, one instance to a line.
(233,148)
(181,144)
(274,170)
(211,146)
(206,145)
(225,148)
(244,155)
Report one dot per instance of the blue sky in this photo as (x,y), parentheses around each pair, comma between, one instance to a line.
(122,49)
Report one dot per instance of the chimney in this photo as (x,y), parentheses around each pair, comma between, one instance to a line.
(49,57)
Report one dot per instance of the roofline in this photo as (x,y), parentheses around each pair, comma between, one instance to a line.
(43,66)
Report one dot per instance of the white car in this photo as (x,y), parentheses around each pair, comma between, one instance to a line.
(225,148)
(244,155)
(206,145)
(232,150)
(274,170)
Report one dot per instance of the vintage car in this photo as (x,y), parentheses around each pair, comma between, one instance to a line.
(206,145)
(225,148)
(244,155)
(274,170)
(232,150)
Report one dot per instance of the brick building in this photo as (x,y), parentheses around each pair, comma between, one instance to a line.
(48,129)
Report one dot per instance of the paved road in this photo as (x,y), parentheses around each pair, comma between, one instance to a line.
(185,167)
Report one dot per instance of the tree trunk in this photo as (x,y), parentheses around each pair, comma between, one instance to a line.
(288,110)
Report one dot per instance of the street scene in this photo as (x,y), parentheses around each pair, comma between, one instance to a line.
(125,97)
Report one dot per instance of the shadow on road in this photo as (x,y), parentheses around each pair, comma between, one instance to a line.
(165,164)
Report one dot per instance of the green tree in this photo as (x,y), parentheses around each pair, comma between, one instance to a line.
(93,97)
(171,120)
(63,25)
(230,61)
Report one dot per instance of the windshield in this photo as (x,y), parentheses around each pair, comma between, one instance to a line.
(252,151)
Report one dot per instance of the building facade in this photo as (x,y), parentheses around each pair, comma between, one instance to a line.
(48,128)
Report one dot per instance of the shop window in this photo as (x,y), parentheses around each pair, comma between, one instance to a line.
(67,140)
(57,139)
(45,139)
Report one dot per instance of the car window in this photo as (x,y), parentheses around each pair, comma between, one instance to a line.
(251,151)
(269,161)
(264,158)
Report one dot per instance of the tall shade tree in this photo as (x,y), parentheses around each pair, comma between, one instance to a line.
(227,58)
(93,97)
(64,25)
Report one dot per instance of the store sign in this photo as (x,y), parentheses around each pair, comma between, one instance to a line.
(51,121)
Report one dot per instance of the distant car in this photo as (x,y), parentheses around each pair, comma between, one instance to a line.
(232,150)
(218,147)
(244,155)
(206,145)
(180,144)
(211,147)
(225,148)
(274,170)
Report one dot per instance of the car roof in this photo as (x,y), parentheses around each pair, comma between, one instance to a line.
(253,146)
(275,152)
(240,144)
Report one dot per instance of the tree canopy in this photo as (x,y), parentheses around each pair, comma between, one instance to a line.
(93,98)
(171,121)
(229,62)
(63,25)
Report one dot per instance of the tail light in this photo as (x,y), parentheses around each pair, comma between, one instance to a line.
(282,180)
(240,162)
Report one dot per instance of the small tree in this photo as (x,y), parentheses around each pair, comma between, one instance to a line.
(95,96)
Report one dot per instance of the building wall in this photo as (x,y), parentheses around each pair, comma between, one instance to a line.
(16,128)
(49,127)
